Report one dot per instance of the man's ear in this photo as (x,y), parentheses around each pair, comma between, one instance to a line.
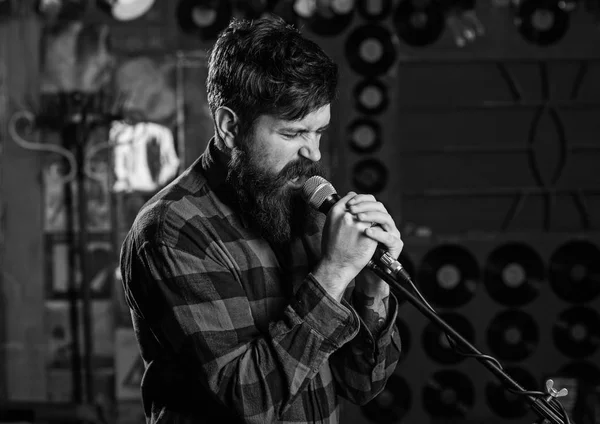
(227,124)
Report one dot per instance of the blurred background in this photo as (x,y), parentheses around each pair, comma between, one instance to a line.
(476,122)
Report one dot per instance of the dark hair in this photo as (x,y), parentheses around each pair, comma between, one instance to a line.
(266,67)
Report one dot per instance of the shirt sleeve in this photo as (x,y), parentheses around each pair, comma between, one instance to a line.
(205,318)
(362,367)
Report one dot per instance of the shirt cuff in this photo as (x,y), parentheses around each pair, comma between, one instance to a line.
(366,338)
(337,322)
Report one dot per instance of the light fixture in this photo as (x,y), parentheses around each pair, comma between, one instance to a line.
(125,10)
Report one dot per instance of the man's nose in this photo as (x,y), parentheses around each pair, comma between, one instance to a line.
(310,150)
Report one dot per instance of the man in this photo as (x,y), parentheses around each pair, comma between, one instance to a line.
(236,287)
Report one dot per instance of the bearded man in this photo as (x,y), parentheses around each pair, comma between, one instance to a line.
(247,305)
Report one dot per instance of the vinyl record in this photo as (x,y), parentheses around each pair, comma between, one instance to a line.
(576,332)
(448,394)
(331,18)
(364,135)
(369,176)
(391,404)
(513,274)
(574,271)
(419,25)
(371,97)
(369,50)
(437,345)
(448,276)
(507,404)
(541,22)
(204,18)
(374,10)
(513,335)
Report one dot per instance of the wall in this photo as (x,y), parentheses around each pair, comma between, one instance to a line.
(22,345)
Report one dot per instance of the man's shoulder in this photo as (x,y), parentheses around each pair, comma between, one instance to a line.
(164,215)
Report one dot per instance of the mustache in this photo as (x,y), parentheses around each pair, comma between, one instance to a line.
(301,168)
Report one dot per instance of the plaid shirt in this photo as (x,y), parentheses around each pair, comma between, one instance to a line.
(231,330)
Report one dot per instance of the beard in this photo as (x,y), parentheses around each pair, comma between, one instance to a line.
(276,209)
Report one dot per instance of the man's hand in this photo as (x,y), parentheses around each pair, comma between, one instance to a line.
(371,294)
(383,230)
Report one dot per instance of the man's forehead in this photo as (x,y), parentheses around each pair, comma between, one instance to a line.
(313,121)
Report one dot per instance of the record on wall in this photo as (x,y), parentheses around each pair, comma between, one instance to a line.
(513,274)
(419,24)
(391,404)
(364,135)
(369,176)
(204,18)
(370,96)
(574,271)
(329,18)
(369,50)
(505,403)
(576,332)
(513,335)
(448,275)
(448,394)
(437,345)
(542,22)
(374,10)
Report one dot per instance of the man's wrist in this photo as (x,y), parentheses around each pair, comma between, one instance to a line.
(332,278)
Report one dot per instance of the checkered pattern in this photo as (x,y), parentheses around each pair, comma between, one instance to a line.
(232,330)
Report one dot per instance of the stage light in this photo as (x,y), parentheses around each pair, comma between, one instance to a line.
(125,10)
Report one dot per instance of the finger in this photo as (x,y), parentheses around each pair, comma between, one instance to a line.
(392,242)
(344,200)
(367,206)
(360,198)
(382,219)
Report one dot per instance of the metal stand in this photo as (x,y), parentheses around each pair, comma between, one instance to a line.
(75,114)
(546,408)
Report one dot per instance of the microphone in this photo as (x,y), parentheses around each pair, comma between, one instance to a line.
(320,195)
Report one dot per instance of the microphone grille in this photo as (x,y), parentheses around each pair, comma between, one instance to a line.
(316,190)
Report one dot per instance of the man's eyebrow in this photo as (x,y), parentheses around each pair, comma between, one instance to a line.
(293,128)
